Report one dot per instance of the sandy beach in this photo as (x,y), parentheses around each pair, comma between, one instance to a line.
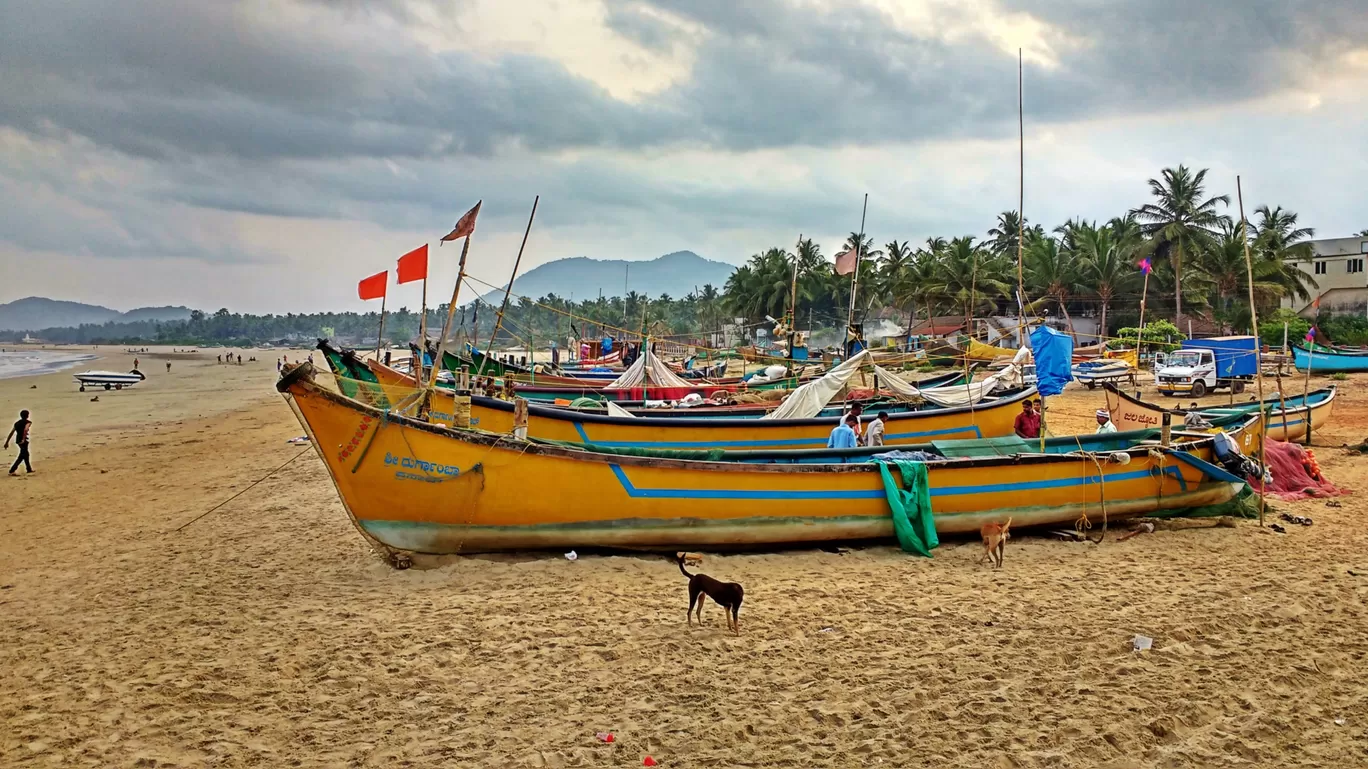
(267,634)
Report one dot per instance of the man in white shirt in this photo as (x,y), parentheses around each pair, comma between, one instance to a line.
(1104,423)
(874,434)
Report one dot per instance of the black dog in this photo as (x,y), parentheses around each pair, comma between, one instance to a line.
(726,594)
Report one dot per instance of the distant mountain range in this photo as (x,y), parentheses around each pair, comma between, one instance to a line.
(35,312)
(582,278)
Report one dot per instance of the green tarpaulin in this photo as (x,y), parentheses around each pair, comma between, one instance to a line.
(911,506)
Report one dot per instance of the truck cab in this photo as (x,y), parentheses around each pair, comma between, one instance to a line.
(1204,365)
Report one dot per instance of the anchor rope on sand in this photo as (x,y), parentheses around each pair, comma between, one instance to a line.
(252,485)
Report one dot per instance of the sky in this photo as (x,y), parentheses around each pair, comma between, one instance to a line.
(264,155)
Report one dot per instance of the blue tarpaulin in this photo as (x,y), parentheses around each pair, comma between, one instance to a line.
(1053,352)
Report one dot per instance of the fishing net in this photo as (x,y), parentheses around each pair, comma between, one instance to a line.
(1296,475)
(910,505)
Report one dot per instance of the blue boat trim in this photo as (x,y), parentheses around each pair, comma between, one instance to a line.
(947,491)
(813,442)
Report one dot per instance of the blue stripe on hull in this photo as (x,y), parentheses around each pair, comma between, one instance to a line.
(816,443)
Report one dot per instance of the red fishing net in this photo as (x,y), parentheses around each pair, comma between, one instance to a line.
(1296,475)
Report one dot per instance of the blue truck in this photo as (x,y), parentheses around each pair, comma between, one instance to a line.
(1200,366)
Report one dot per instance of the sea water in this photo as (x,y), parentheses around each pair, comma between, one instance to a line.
(21,362)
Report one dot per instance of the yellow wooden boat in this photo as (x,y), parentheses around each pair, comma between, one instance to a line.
(410,485)
(985,420)
(1286,419)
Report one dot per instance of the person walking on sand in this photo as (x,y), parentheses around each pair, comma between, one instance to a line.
(1104,423)
(20,433)
(135,364)
(168,367)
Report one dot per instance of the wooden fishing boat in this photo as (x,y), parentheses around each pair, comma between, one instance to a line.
(1286,419)
(1328,361)
(984,420)
(409,485)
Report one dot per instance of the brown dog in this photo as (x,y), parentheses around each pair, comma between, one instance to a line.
(728,595)
(995,536)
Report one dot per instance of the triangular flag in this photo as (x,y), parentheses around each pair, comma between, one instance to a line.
(466,226)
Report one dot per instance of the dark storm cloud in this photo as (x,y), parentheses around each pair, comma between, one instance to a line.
(158,78)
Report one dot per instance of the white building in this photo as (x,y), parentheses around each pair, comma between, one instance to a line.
(1338,269)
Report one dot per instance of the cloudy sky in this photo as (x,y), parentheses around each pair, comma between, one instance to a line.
(264,155)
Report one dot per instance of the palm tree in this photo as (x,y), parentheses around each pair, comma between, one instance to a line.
(1107,260)
(897,257)
(1179,223)
(1002,239)
(1053,273)
(1228,275)
(968,274)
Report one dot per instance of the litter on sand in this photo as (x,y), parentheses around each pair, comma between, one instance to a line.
(300,441)
(1142,643)
(572,556)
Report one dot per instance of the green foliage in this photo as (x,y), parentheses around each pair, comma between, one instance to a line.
(1271,329)
(1344,329)
(1159,335)
(1339,376)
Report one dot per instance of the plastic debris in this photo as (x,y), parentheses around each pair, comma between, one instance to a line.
(1142,643)
(604,736)
(572,556)
(1339,722)
(648,761)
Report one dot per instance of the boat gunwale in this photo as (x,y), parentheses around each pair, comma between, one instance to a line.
(1272,408)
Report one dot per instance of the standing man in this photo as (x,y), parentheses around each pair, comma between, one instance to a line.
(1027,423)
(1104,423)
(135,363)
(20,432)
(874,436)
(843,437)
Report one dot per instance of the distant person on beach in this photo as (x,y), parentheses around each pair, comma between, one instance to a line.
(220,359)
(20,433)
(135,363)
(168,367)
(239,360)
(843,437)
(1027,423)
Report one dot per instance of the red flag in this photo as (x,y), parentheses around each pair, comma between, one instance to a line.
(845,262)
(466,226)
(374,286)
(412,266)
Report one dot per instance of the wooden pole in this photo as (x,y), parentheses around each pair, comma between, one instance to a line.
(1021,211)
(1140,332)
(451,312)
(1254,319)
(793,301)
(380,338)
(422,335)
(508,290)
(855,278)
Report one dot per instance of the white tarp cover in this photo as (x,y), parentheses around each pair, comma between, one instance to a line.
(615,410)
(809,400)
(950,395)
(646,370)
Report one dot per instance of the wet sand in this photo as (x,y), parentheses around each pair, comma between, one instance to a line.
(266,634)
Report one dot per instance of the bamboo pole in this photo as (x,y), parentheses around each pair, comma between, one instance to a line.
(855,278)
(451,312)
(498,320)
(1021,209)
(1254,320)
(380,337)
(793,301)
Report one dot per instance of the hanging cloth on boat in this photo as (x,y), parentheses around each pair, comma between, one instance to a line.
(647,369)
(948,396)
(615,410)
(913,522)
(809,400)
(1054,359)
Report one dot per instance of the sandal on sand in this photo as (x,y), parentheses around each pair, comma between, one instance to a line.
(1277,528)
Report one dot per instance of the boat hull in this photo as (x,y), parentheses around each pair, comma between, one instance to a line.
(1287,419)
(1328,362)
(413,486)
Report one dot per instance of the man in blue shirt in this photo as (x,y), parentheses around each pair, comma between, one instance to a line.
(843,437)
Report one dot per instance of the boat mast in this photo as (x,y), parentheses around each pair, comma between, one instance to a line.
(1258,348)
(793,299)
(498,320)
(855,278)
(1021,210)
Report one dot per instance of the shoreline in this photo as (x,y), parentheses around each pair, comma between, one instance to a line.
(13,362)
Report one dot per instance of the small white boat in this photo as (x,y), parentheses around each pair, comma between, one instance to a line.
(1091,372)
(109,380)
